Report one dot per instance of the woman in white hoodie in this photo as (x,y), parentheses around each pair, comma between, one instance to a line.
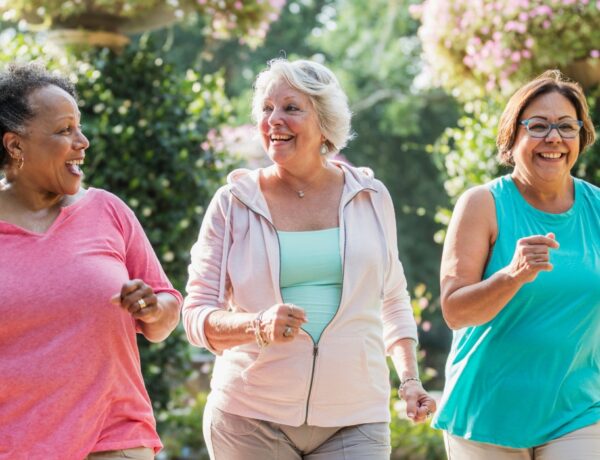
(296,286)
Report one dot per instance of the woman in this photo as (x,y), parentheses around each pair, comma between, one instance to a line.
(520,281)
(79,278)
(296,286)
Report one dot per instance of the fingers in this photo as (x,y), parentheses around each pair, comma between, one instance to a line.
(137,298)
(283,322)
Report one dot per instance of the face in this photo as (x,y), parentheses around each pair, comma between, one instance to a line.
(551,158)
(53,146)
(289,126)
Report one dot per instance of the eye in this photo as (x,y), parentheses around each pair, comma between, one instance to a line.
(66,130)
(537,126)
(568,127)
(291,108)
(267,108)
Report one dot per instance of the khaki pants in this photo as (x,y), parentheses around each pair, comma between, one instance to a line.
(231,437)
(582,444)
(138,453)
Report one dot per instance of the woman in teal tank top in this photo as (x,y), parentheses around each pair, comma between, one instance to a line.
(520,281)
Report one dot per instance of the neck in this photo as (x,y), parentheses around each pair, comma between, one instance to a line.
(302,179)
(552,196)
(30,198)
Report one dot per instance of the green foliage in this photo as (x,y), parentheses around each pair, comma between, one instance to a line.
(412,441)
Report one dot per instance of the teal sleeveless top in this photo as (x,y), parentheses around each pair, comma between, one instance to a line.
(311,275)
(532,374)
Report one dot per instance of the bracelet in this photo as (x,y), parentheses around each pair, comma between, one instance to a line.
(405,381)
(261,340)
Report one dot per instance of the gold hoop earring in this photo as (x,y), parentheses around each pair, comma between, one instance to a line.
(20,162)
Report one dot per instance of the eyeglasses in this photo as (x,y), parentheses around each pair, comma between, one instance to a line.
(540,128)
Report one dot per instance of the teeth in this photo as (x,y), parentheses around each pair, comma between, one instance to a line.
(75,162)
(551,156)
(278,137)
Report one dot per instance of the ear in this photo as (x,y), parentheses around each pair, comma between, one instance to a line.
(12,144)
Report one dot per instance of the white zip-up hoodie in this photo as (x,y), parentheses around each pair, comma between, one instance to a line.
(343,380)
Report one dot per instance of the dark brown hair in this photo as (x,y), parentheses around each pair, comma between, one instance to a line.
(551,81)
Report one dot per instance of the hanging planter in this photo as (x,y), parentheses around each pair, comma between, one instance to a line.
(248,20)
(483,47)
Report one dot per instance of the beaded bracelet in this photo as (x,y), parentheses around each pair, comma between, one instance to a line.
(261,340)
(405,381)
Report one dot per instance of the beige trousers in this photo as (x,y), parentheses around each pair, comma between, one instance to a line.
(582,444)
(138,453)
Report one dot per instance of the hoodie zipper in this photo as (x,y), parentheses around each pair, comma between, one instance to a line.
(315,345)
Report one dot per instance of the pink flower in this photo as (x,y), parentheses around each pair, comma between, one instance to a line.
(595,54)
(238,5)
(515,57)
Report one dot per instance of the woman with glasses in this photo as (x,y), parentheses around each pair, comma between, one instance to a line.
(520,281)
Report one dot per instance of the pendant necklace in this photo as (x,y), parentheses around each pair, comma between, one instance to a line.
(302,192)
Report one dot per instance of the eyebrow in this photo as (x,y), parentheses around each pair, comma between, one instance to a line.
(560,118)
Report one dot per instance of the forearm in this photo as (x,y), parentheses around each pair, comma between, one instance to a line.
(404,357)
(226,329)
(157,328)
(478,303)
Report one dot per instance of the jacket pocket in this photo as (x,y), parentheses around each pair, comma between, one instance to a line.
(280,372)
(349,371)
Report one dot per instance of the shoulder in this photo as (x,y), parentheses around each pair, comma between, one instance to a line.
(103,200)
(588,188)
(480,195)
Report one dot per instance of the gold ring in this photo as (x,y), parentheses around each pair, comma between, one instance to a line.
(142,303)
(287,331)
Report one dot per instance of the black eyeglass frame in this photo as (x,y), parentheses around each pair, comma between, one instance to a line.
(551,126)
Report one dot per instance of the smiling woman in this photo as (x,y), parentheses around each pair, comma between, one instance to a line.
(326,298)
(520,279)
(71,301)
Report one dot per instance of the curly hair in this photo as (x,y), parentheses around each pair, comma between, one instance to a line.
(17,82)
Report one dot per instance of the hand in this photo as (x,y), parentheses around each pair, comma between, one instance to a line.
(139,299)
(282,322)
(532,255)
(419,405)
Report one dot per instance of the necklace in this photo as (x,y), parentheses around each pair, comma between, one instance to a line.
(301,192)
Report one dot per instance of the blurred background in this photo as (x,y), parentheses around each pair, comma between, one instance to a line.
(165,90)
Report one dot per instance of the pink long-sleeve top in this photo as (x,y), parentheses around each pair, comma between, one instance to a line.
(70,375)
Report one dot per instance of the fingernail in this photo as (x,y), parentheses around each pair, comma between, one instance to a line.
(411,415)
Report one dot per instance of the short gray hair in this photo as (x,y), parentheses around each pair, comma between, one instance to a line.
(321,86)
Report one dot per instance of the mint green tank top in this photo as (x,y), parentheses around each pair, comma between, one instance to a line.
(311,275)
(532,374)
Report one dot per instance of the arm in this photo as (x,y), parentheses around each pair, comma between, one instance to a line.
(206,319)
(466,299)
(400,329)
(419,405)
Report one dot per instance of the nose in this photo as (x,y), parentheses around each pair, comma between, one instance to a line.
(81,141)
(275,117)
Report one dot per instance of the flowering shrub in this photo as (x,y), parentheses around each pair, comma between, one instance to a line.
(477,46)
(248,19)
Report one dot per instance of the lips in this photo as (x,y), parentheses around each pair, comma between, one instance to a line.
(74,166)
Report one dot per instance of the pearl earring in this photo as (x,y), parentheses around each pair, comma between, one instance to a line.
(324,149)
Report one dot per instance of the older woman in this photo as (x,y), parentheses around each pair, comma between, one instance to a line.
(79,278)
(296,286)
(520,282)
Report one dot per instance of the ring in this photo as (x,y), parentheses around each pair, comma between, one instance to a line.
(142,303)
(428,413)
(287,331)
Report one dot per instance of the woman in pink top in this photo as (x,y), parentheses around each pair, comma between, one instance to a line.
(278,391)
(78,279)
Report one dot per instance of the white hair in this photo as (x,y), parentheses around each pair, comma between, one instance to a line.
(323,89)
